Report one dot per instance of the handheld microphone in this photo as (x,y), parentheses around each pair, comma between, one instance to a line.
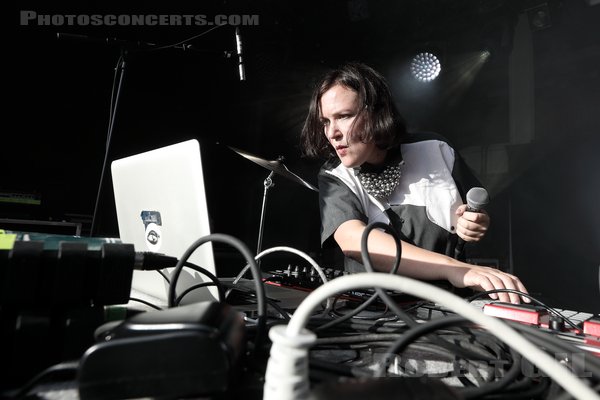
(238,47)
(477,199)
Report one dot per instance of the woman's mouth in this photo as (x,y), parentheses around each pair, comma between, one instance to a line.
(341,150)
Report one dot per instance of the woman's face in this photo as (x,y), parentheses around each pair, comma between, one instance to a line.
(339,111)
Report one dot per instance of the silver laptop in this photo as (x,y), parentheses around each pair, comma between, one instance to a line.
(161,207)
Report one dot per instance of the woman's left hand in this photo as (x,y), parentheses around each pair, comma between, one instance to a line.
(471,226)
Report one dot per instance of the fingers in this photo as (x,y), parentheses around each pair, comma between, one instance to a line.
(469,235)
(461,209)
(480,217)
(508,281)
(471,226)
(490,279)
(498,281)
(523,289)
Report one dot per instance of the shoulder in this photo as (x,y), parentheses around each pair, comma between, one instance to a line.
(416,137)
(429,145)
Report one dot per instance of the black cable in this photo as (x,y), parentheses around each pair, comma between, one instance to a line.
(348,315)
(475,367)
(550,343)
(536,301)
(414,333)
(359,324)
(284,314)
(210,276)
(358,338)
(338,369)
(557,345)
(243,249)
(484,340)
(191,289)
(416,305)
(361,327)
(497,385)
(523,383)
(382,315)
(196,268)
(250,297)
(432,347)
(356,346)
(366,258)
(366,370)
(164,276)
(472,391)
(533,392)
(545,340)
(384,296)
(145,302)
(386,319)
(378,291)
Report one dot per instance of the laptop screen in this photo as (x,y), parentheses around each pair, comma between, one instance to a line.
(161,207)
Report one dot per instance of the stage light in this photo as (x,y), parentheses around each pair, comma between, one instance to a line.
(425,67)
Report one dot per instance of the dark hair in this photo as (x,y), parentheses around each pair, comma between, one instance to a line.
(379,120)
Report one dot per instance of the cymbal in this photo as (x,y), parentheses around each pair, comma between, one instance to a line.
(276,166)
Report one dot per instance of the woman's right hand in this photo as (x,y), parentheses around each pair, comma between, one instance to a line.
(487,278)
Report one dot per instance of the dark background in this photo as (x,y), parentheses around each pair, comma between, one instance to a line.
(526,119)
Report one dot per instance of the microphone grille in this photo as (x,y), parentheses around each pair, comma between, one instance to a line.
(477,198)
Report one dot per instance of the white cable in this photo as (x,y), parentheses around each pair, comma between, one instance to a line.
(300,253)
(287,370)
(556,371)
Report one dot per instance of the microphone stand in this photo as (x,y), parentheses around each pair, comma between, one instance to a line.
(120,72)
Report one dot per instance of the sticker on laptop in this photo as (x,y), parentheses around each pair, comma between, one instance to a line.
(152,223)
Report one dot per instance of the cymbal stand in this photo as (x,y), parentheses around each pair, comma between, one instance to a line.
(268,183)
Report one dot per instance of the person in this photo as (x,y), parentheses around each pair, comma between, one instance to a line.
(376,171)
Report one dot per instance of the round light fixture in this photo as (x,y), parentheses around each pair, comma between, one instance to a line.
(425,67)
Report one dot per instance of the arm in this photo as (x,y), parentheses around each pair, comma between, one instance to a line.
(424,264)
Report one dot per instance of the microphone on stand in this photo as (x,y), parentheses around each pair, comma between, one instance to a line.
(477,199)
(238,48)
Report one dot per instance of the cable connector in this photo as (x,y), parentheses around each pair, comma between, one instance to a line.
(287,371)
(150,261)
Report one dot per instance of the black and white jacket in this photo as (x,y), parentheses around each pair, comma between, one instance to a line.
(433,184)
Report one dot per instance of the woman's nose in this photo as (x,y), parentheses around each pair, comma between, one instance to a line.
(333,131)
